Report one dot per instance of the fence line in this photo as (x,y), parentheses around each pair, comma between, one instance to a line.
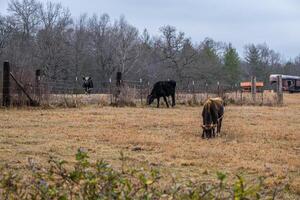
(193,92)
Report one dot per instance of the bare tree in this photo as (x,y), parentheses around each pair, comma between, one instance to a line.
(177,52)
(26,15)
(102,45)
(53,40)
(42,35)
(127,45)
(80,45)
(7,27)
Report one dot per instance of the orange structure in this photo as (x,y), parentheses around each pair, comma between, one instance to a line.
(246,86)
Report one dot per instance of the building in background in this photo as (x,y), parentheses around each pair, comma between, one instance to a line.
(289,83)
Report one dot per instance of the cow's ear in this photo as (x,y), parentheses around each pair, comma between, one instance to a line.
(90,78)
(83,77)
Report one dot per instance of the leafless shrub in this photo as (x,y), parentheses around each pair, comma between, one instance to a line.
(125,96)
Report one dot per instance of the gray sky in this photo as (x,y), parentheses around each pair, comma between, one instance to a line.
(275,22)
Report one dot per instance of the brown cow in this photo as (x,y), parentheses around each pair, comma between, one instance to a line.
(213,112)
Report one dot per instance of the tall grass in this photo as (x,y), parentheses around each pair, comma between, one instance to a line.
(86,180)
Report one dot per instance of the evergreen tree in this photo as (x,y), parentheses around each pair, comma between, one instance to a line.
(253,59)
(231,65)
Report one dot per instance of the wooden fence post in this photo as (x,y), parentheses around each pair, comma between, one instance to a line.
(37,84)
(241,95)
(118,84)
(119,79)
(6,84)
(279,90)
(253,88)
(31,101)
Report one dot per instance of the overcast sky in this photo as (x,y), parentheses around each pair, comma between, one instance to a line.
(275,22)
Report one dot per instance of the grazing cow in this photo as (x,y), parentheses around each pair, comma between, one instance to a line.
(162,89)
(213,112)
(87,84)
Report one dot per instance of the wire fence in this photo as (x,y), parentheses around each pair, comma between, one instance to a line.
(131,92)
(37,90)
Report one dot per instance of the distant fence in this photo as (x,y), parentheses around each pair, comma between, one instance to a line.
(40,91)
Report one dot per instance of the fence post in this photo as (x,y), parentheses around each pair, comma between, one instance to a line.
(262,96)
(236,90)
(141,90)
(119,79)
(110,92)
(241,95)
(118,84)
(6,85)
(279,90)
(206,87)
(193,91)
(75,90)
(218,83)
(37,83)
(253,88)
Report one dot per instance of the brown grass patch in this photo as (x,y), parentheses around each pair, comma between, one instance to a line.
(255,140)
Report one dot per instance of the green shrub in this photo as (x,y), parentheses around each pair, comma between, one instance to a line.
(86,180)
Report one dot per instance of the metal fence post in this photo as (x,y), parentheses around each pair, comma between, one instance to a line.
(206,87)
(236,90)
(6,85)
(262,96)
(194,95)
(218,83)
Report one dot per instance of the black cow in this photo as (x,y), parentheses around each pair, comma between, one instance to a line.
(162,89)
(213,112)
(87,84)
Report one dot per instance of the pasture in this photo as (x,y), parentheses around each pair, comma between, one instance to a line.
(255,141)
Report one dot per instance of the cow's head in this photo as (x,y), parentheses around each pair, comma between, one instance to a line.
(208,129)
(208,125)
(150,99)
(86,78)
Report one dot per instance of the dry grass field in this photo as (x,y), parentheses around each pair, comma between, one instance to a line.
(256,140)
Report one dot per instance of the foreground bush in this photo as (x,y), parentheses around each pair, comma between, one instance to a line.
(100,181)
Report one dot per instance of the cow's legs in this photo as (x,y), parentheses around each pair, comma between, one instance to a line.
(209,134)
(158,102)
(203,134)
(166,101)
(219,126)
(173,100)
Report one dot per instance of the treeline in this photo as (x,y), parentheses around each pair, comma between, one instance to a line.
(36,35)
